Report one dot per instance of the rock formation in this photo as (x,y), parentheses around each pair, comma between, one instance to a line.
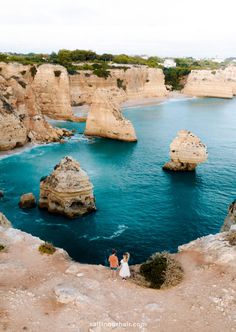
(67,190)
(21,119)
(51,86)
(27,201)
(186,152)
(212,83)
(134,83)
(230,220)
(105,118)
(4,222)
(215,248)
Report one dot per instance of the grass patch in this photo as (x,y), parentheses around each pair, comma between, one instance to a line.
(161,270)
(231,237)
(47,248)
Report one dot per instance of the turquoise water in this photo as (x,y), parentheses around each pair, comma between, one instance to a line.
(141,208)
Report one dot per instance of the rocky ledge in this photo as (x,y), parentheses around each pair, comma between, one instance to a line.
(230,220)
(105,118)
(67,190)
(186,152)
(41,292)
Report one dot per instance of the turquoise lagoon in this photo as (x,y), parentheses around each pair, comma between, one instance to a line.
(141,208)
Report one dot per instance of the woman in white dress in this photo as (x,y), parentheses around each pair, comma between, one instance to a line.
(124,271)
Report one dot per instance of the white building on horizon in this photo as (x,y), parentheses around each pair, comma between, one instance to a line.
(169,63)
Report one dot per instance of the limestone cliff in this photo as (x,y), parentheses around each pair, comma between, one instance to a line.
(186,152)
(67,190)
(136,82)
(51,86)
(20,112)
(230,219)
(105,118)
(215,249)
(54,293)
(212,83)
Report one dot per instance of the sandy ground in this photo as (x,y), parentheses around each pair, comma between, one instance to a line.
(204,301)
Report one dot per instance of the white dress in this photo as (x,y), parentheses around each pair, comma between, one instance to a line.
(124,271)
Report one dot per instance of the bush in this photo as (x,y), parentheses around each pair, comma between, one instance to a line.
(120,84)
(231,237)
(57,73)
(2,247)
(161,270)
(47,248)
(33,71)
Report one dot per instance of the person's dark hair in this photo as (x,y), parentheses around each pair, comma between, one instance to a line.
(113,251)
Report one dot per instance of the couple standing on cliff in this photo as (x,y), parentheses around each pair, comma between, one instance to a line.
(124,266)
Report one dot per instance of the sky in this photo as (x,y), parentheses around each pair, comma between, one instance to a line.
(200,28)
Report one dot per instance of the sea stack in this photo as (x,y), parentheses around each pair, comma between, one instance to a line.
(68,190)
(186,152)
(105,118)
(230,220)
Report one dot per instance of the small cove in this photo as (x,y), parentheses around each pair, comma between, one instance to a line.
(141,208)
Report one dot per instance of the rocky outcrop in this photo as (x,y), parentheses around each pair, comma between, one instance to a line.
(51,86)
(27,201)
(37,293)
(212,83)
(4,222)
(105,118)
(67,190)
(186,152)
(134,83)
(230,219)
(21,119)
(214,248)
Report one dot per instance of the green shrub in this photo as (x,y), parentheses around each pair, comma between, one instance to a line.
(33,71)
(47,248)
(120,84)
(2,247)
(231,237)
(161,270)
(57,73)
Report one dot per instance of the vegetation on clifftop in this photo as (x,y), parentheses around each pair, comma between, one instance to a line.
(47,248)
(100,64)
(161,270)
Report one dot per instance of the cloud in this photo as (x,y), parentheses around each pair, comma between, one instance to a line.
(186,27)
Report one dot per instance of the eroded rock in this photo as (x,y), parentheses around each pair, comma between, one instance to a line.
(27,201)
(21,118)
(212,83)
(186,152)
(67,190)
(230,220)
(105,118)
(4,222)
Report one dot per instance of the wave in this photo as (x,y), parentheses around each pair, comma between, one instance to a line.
(117,233)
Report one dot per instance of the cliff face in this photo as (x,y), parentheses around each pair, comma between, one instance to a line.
(51,86)
(67,190)
(105,118)
(136,82)
(230,220)
(212,83)
(54,293)
(20,112)
(186,152)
